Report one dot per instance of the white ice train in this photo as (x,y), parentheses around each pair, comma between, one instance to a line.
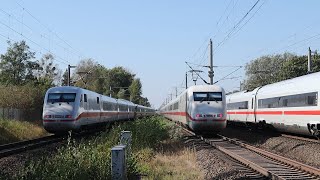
(202,108)
(289,106)
(72,108)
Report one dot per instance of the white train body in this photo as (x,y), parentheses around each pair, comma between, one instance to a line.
(202,108)
(71,108)
(289,106)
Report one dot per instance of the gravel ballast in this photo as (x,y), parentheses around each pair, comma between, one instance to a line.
(213,163)
(299,150)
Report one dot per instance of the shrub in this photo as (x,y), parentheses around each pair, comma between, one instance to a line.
(91,159)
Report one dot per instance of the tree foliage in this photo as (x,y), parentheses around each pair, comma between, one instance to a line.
(135,91)
(16,64)
(24,79)
(118,81)
(274,68)
(48,73)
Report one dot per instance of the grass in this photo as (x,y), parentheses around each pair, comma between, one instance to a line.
(13,130)
(156,154)
(175,162)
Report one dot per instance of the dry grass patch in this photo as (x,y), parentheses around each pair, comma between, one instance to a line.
(12,130)
(174,161)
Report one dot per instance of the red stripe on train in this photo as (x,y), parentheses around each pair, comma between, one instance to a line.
(310,112)
(188,115)
(88,115)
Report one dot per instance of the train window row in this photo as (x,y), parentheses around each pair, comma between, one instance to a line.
(237,105)
(123,107)
(207,96)
(107,106)
(297,100)
(61,97)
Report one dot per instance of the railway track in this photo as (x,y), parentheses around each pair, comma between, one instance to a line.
(301,138)
(22,146)
(18,147)
(267,164)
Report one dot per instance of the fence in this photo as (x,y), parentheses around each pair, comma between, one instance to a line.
(20,114)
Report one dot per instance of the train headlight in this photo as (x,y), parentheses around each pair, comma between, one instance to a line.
(68,116)
(198,115)
(220,115)
(47,116)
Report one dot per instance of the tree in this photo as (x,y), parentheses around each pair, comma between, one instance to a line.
(122,94)
(274,68)
(135,91)
(48,74)
(265,70)
(16,66)
(298,66)
(144,101)
(118,77)
(90,75)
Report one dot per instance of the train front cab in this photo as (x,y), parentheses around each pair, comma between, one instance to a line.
(60,110)
(206,111)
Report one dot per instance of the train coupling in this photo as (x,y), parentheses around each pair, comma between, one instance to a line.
(314,129)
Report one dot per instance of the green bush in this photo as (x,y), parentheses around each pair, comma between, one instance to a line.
(21,97)
(91,159)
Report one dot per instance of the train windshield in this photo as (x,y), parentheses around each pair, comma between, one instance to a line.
(61,97)
(207,96)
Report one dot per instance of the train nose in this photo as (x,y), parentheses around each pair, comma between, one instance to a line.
(58,111)
(209,110)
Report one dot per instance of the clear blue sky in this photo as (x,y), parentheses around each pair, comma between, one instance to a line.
(154,38)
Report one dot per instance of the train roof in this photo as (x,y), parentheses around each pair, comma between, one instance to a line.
(300,84)
(205,88)
(124,101)
(196,88)
(64,88)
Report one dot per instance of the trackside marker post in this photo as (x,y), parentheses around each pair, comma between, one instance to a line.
(118,163)
(125,139)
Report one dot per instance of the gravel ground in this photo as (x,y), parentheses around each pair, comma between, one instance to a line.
(12,164)
(213,163)
(299,150)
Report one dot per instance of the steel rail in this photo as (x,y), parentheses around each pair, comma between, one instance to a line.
(17,147)
(301,138)
(283,160)
(266,163)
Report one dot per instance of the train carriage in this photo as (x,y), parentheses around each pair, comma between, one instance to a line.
(202,108)
(289,106)
(71,108)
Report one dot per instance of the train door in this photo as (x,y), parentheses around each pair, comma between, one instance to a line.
(99,109)
(85,107)
(250,111)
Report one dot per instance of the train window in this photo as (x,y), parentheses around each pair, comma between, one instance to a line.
(176,105)
(85,98)
(207,96)
(237,105)
(97,100)
(61,97)
(214,96)
(297,100)
(269,102)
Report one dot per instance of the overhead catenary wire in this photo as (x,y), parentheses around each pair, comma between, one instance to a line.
(51,31)
(232,30)
(197,73)
(210,33)
(34,42)
(228,75)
